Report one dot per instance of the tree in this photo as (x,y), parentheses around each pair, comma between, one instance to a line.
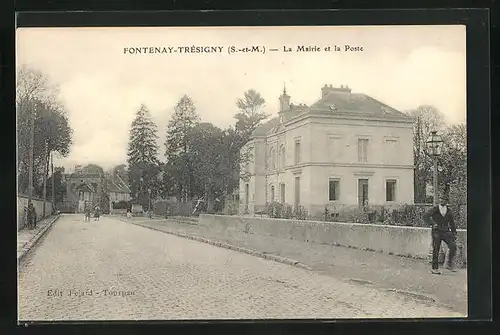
(207,151)
(427,119)
(179,167)
(250,114)
(59,184)
(143,156)
(37,98)
(249,117)
(453,163)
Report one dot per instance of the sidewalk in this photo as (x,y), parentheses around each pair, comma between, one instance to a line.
(409,276)
(26,238)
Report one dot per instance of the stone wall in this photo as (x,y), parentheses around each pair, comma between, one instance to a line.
(403,241)
(22,202)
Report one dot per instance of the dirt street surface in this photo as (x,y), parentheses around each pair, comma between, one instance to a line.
(112,270)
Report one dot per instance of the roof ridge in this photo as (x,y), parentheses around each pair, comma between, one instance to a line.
(123,183)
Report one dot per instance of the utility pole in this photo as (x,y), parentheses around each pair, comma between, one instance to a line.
(53,182)
(45,173)
(32,144)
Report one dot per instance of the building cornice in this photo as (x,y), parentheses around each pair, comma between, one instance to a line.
(362,166)
(350,165)
(347,116)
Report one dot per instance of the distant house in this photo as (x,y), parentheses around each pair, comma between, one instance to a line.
(94,189)
(117,190)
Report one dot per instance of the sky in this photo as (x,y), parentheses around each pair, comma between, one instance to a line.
(102,85)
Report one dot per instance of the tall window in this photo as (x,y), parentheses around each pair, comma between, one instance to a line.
(297,151)
(282,189)
(272,193)
(362,150)
(282,157)
(334,189)
(297,191)
(390,190)
(272,159)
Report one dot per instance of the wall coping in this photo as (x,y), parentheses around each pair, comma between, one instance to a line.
(33,198)
(304,222)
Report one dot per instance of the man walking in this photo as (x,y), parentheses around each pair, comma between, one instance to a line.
(443,229)
(87,212)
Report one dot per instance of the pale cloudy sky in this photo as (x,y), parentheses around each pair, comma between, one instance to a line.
(102,87)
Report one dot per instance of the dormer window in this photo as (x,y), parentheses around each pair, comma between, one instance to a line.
(332,107)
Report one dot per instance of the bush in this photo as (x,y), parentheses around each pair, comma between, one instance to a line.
(274,209)
(231,208)
(300,213)
(360,216)
(409,215)
(278,210)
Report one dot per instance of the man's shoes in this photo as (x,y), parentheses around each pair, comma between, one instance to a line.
(435,272)
(451,268)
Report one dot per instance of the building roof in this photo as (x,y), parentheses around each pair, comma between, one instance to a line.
(116,187)
(84,175)
(264,128)
(86,187)
(358,104)
(340,101)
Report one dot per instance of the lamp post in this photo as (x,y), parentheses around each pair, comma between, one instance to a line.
(434,144)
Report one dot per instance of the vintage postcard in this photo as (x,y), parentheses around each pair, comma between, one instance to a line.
(202,173)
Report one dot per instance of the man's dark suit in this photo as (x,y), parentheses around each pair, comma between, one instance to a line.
(443,229)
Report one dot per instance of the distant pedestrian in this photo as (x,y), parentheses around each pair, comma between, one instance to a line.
(443,229)
(197,207)
(129,213)
(87,212)
(97,213)
(31,216)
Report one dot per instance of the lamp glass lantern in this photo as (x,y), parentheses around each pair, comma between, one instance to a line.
(434,144)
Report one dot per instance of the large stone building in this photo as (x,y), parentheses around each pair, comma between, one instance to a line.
(346,150)
(94,189)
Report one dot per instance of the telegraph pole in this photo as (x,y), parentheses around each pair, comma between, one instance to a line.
(53,181)
(32,143)
(45,173)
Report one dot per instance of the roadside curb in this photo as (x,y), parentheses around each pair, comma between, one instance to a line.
(233,247)
(31,243)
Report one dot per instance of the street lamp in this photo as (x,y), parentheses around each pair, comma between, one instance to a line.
(434,144)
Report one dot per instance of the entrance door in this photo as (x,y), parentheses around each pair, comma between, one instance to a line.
(362,193)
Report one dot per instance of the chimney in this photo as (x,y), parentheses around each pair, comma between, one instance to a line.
(329,88)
